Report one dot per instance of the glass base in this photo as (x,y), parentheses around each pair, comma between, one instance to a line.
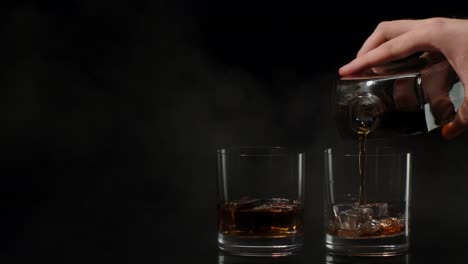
(337,259)
(385,246)
(260,246)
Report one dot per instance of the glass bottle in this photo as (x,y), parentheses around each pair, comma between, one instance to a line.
(411,96)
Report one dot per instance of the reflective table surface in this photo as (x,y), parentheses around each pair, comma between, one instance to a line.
(432,241)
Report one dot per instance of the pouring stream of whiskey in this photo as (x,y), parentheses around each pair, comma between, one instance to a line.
(362,135)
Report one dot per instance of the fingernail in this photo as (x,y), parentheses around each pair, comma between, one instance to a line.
(343,69)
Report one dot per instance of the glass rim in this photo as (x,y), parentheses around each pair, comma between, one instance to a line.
(347,154)
(260,150)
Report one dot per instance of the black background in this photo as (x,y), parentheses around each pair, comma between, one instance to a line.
(111,113)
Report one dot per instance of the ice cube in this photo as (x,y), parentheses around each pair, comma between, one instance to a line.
(246,200)
(341,207)
(284,206)
(247,203)
(351,219)
(274,204)
(262,207)
(391,221)
(386,222)
(391,225)
(369,227)
(279,200)
(379,210)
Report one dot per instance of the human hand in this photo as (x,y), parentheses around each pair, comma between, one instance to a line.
(399,39)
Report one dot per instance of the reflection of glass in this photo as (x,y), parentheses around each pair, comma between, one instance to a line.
(233,259)
(260,209)
(333,259)
(380,225)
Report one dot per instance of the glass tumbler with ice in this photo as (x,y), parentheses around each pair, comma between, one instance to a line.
(379,226)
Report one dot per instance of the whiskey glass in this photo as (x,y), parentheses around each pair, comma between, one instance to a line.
(367,215)
(260,201)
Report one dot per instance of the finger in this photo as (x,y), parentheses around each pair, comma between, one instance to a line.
(397,48)
(386,31)
(457,125)
(452,129)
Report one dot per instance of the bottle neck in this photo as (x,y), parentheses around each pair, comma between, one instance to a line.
(365,113)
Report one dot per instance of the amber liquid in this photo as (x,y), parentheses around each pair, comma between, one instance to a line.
(273,218)
(362,135)
(383,227)
(388,227)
